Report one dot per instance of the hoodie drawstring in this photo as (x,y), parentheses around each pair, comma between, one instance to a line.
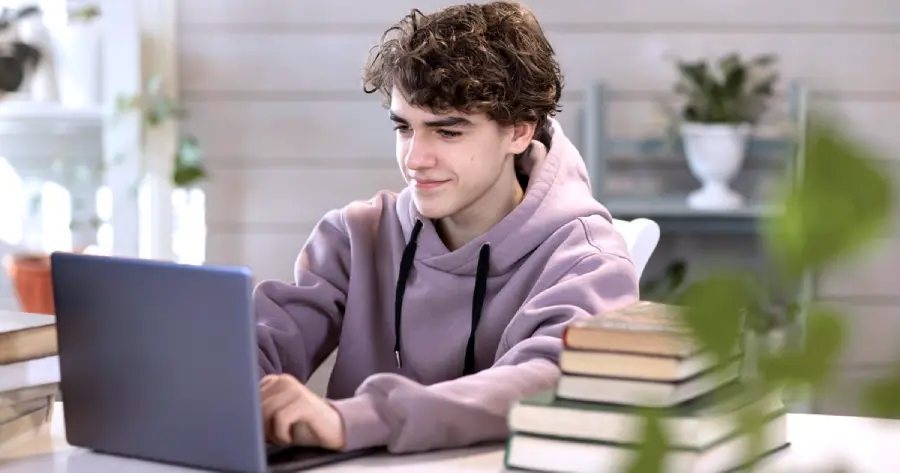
(484,257)
(405,265)
(477,297)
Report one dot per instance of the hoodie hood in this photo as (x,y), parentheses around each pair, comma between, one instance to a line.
(558,192)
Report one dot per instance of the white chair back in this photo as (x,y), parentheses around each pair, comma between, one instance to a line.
(641,236)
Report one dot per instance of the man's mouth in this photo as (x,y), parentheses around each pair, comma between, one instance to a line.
(427,184)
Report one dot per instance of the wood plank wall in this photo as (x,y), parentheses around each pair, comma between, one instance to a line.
(274,94)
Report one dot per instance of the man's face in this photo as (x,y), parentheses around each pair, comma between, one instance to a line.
(454,161)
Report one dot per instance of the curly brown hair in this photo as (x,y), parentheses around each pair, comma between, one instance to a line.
(491,58)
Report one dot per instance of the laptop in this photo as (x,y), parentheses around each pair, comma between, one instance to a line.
(158,361)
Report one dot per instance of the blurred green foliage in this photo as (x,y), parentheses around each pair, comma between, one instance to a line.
(156,109)
(831,214)
(652,450)
(842,203)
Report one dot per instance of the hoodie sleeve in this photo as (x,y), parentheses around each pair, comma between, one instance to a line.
(298,325)
(390,410)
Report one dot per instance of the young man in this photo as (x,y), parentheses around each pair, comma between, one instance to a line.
(448,300)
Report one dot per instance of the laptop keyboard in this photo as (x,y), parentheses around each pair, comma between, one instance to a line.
(293,459)
(272,449)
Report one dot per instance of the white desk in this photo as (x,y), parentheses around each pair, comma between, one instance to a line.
(866,445)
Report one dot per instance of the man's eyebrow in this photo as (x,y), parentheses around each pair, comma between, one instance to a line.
(443,122)
(396,118)
(449,121)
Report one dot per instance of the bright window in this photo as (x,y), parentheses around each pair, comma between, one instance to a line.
(12,205)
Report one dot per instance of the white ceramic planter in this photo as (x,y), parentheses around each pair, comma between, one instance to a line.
(78,64)
(715,154)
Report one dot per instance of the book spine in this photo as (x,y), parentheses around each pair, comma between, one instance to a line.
(565,337)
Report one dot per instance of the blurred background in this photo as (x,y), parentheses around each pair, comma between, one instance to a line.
(220,131)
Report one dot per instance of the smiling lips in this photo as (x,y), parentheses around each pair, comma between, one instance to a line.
(427,185)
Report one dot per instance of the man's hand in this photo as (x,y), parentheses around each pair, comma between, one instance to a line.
(294,415)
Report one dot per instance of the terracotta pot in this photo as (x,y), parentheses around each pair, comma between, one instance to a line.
(30,274)
(32,281)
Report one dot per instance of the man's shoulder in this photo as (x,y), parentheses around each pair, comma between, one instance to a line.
(593,234)
(365,212)
(380,205)
(583,245)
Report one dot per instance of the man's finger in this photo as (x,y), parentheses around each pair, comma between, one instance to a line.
(269,382)
(267,379)
(274,404)
(303,434)
(285,419)
(275,400)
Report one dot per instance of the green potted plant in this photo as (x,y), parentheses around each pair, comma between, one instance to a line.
(841,207)
(18,59)
(724,100)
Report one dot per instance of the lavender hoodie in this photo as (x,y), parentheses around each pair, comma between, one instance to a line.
(434,344)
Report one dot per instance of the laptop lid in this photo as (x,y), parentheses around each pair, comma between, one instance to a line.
(158,361)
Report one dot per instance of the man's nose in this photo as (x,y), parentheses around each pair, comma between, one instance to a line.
(419,155)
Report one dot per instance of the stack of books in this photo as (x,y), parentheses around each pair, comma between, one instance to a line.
(29,376)
(617,366)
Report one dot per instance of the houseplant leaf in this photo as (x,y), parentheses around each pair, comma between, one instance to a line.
(189,168)
(654,446)
(819,224)
(714,308)
(725,94)
(881,398)
(815,362)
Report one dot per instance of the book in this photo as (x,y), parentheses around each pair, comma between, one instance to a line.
(25,336)
(567,455)
(698,423)
(645,393)
(644,327)
(637,366)
(29,373)
(27,426)
(14,411)
(615,365)
(17,396)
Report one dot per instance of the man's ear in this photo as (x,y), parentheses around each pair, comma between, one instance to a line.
(522,134)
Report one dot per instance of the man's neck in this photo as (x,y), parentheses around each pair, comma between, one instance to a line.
(475,220)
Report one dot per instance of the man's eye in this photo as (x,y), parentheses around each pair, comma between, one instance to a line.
(449,134)
(401,128)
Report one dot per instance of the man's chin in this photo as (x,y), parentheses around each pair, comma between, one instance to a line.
(433,215)
(430,212)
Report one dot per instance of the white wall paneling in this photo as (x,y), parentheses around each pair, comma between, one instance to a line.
(272,250)
(291,131)
(872,328)
(870,275)
(724,14)
(292,196)
(275,97)
(298,60)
